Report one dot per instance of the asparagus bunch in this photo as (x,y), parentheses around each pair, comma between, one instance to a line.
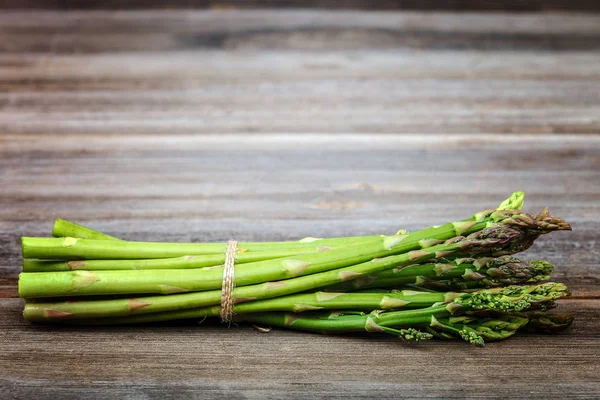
(448,281)
(95,283)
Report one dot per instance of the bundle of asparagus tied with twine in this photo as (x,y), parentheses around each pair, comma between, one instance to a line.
(459,280)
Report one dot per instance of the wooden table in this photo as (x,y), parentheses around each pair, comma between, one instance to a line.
(204,126)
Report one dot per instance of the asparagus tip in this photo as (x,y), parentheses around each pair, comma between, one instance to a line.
(549,323)
(471,336)
(514,202)
(408,334)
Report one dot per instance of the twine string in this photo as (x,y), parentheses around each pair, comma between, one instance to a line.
(228,282)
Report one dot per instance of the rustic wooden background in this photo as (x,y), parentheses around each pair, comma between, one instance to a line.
(267,125)
(437,5)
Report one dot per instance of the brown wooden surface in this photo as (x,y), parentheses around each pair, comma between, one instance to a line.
(282,72)
(454,5)
(292,124)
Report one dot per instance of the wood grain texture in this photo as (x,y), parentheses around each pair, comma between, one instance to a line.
(205,126)
(274,72)
(453,5)
(92,32)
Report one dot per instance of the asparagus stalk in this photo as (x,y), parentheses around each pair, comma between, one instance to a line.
(459,274)
(184,262)
(74,248)
(82,283)
(436,317)
(64,228)
(480,241)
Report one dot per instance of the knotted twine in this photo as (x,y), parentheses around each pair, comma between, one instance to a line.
(228,282)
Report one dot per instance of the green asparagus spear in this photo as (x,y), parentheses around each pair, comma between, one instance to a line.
(459,274)
(184,262)
(64,228)
(69,248)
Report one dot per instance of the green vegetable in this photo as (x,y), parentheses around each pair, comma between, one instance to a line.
(437,318)
(476,242)
(468,287)
(459,274)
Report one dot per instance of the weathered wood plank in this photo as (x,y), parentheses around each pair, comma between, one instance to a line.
(273,71)
(187,360)
(463,5)
(304,99)
(189,22)
(335,92)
